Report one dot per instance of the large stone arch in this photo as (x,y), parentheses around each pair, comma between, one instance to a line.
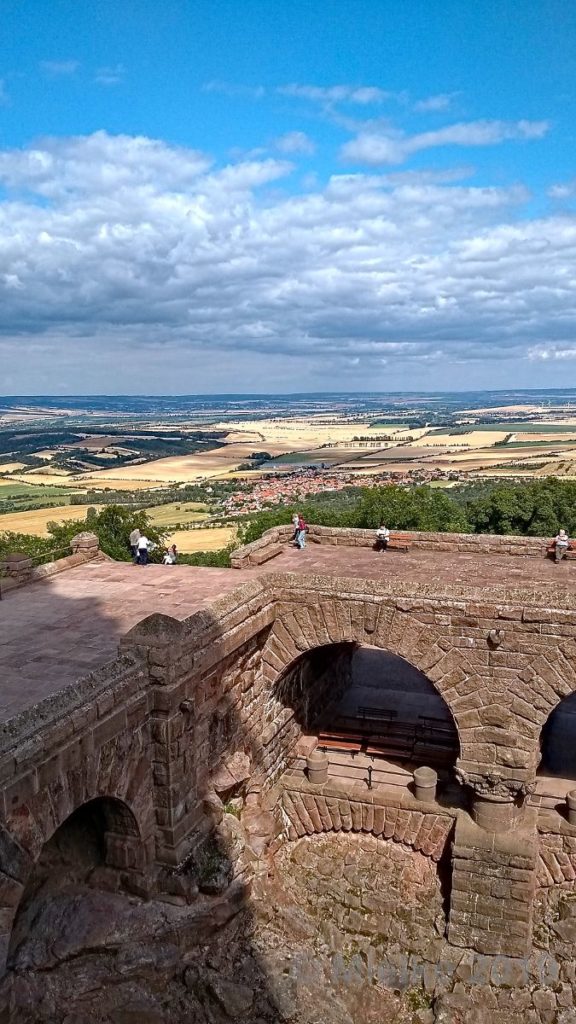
(302,629)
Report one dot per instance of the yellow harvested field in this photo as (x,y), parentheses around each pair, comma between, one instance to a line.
(36,521)
(475,439)
(182,468)
(8,467)
(39,477)
(99,482)
(549,439)
(295,434)
(202,540)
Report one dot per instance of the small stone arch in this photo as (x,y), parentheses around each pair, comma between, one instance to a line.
(101,835)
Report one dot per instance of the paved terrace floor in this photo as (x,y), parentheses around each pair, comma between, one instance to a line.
(54,632)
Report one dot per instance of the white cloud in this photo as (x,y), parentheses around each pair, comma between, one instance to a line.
(543,353)
(59,68)
(442,101)
(110,75)
(396,147)
(295,142)
(133,245)
(564,190)
(359,94)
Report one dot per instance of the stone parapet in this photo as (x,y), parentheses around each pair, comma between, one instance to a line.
(332,807)
(18,569)
(270,544)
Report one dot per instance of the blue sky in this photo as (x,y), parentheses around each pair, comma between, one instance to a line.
(251,194)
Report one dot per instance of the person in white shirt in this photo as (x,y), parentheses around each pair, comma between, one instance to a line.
(382,538)
(134,538)
(143,548)
(561,545)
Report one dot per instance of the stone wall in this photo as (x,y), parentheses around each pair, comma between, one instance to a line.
(310,810)
(191,702)
(255,553)
(17,570)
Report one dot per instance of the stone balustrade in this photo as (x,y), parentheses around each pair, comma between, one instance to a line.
(18,569)
(270,544)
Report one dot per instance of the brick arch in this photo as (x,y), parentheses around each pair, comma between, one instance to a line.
(314,813)
(117,772)
(301,629)
(119,824)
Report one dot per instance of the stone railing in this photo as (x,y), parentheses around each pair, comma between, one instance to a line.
(271,543)
(18,569)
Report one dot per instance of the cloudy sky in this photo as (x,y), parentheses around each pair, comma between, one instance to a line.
(263,195)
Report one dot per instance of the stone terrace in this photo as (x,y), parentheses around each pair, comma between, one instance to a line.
(56,631)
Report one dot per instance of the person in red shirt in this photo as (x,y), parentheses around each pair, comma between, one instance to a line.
(301,533)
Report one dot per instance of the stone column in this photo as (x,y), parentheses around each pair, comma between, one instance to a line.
(494,857)
(86,544)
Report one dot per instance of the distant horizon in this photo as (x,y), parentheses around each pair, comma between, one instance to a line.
(291,394)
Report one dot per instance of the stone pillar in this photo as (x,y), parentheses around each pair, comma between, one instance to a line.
(493,887)
(86,544)
(18,567)
(425,782)
(317,767)
(571,804)
(495,812)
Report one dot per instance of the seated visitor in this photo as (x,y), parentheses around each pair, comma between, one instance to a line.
(561,545)
(171,556)
(382,538)
(295,519)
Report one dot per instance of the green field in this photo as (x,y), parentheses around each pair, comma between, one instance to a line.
(17,490)
(177,512)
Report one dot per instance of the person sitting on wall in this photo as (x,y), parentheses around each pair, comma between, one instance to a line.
(171,556)
(561,545)
(382,538)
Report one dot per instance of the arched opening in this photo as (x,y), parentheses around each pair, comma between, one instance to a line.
(558,741)
(373,712)
(97,847)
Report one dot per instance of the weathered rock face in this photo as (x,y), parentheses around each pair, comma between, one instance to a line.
(338,929)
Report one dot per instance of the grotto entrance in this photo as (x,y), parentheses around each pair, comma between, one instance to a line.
(371,711)
(98,847)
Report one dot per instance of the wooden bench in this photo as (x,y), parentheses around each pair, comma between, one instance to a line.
(395,544)
(551,552)
(377,714)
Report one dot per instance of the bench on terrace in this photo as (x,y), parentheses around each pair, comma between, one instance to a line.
(264,554)
(396,543)
(551,551)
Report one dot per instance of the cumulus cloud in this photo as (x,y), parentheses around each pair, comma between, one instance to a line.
(295,142)
(111,245)
(563,190)
(395,147)
(59,68)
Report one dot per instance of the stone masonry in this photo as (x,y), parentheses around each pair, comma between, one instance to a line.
(187,701)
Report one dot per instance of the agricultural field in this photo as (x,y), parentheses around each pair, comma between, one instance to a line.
(188,541)
(36,521)
(176,512)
